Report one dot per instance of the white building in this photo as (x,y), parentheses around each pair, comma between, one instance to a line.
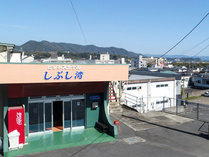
(122,61)
(185,81)
(149,93)
(6,52)
(104,59)
(60,59)
(139,63)
(8,55)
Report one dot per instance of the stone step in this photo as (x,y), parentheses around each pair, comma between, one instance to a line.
(114,104)
(115,111)
(114,107)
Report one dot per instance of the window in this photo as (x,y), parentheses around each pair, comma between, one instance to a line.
(129,88)
(162,85)
(133,88)
(161,102)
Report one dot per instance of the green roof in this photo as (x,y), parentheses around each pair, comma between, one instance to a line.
(168,72)
(7,45)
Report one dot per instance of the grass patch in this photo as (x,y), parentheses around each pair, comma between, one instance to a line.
(192,97)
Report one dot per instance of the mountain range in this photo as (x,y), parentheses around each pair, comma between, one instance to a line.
(46,46)
(203,58)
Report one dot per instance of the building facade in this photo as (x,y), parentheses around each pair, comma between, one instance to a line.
(56,97)
(149,93)
(201,81)
(139,63)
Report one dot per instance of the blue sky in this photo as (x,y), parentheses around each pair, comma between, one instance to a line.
(141,26)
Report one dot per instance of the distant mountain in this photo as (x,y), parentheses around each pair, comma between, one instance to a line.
(203,58)
(46,46)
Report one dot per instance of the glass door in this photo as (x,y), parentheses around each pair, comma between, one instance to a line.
(78,113)
(48,116)
(67,114)
(36,119)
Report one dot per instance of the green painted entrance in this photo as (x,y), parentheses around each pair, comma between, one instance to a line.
(61,139)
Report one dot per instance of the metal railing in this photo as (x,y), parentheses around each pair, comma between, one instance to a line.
(134,102)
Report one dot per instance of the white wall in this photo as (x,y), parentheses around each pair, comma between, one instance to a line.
(185,81)
(104,57)
(3,56)
(15,57)
(151,94)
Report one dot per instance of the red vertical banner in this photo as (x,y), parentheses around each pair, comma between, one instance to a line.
(16,121)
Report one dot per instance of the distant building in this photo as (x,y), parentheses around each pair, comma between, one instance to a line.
(201,80)
(59,59)
(7,54)
(6,51)
(139,62)
(27,59)
(104,59)
(122,61)
(185,81)
(156,62)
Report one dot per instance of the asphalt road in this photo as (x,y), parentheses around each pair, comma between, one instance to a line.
(175,141)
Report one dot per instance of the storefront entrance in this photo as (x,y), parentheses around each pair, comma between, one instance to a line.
(56,113)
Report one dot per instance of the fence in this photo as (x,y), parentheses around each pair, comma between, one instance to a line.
(189,109)
(179,107)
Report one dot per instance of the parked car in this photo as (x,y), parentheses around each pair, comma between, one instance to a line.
(206,94)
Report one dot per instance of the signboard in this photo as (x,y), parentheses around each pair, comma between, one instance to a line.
(16,121)
(95,97)
(66,72)
(54,73)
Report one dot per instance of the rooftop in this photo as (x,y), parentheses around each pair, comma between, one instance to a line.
(143,77)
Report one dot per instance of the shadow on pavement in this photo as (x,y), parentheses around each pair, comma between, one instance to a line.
(206,136)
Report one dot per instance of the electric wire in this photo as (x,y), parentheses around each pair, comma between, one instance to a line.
(201,51)
(78,21)
(198,44)
(186,35)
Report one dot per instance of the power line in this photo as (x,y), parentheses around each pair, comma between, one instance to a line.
(78,21)
(198,44)
(186,35)
(201,51)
